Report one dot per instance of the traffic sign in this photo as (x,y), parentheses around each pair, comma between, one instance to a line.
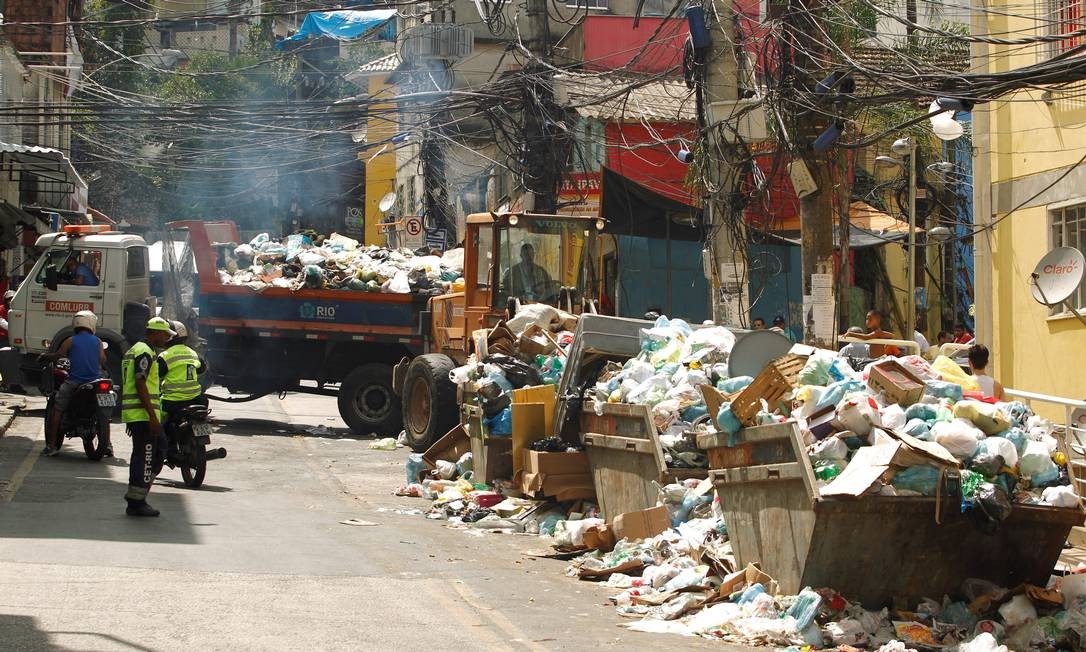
(414,225)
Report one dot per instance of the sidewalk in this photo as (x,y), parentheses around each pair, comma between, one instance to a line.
(11,405)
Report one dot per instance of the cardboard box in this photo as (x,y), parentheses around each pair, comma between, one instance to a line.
(556,463)
(900,385)
(449,448)
(642,524)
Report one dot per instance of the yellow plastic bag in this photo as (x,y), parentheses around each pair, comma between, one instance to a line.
(951,372)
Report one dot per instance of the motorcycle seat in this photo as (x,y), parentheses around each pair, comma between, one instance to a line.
(194,412)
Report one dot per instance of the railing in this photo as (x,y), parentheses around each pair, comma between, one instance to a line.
(1074,431)
(913,347)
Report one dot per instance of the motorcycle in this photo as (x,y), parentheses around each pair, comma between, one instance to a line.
(191,428)
(88,414)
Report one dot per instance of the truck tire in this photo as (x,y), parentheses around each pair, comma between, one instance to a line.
(367,402)
(429,400)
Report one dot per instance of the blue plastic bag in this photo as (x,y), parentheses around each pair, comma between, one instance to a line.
(732,385)
(921,479)
(921,411)
(296,244)
(414,467)
(694,412)
(728,422)
(805,608)
(942,389)
(919,429)
(837,391)
(501,424)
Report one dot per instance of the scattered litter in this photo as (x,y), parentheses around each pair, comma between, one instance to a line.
(358,522)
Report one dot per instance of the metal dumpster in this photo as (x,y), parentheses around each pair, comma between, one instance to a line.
(875,549)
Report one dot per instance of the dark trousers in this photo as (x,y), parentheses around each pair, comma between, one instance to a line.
(148,452)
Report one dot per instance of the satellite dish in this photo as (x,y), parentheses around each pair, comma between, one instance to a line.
(1057,276)
(387,202)
(754,350)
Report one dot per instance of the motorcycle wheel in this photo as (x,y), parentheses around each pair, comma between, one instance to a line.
(194,475)
(92,446)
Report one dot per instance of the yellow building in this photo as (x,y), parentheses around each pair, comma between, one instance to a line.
(380,159)
(1030,197)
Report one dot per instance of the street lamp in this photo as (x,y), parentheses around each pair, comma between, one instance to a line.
(906,148)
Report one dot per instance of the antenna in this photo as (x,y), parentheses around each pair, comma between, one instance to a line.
(1057,276)
(387,202)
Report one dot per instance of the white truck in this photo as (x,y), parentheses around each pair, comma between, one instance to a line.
(86,267)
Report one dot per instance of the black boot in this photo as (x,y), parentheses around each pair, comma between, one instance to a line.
(140,508)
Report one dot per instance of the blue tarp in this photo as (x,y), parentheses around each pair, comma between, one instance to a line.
(343,25)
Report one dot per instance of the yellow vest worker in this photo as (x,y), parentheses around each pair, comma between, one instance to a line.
(183,365)
(141,411)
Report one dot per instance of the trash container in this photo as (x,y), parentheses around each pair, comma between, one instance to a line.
(875,549)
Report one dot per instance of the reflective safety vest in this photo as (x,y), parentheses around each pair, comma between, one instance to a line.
(131,407)
(180,383)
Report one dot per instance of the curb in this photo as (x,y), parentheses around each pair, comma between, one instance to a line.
(7,417)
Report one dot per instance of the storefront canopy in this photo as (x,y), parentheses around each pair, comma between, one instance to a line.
(633,209)
(868,227)
(346,25)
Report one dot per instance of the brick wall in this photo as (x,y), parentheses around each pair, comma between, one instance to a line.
(39,38)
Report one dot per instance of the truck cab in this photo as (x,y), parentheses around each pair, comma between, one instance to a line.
(83,268)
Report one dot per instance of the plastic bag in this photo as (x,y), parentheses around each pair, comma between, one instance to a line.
(952,372)
(919,429)
(1036,463)
(983,643)
(1061,496)
(985,416)
(805,608)
(986,464)
(1018,611)
(846,632)
(399,283)
(1002,447)
(296,243)
(921,479)
(817,369)
(500,424)
(988,508)
(386,444)
(836,392)
(892,416)
(919,366)
(571,533)
(959,438)
(414,467)
(942,389)
(727,421)
(830,448)
(921,411)
(857,415)
(732,385)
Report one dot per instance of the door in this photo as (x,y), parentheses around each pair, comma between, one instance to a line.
(79,287)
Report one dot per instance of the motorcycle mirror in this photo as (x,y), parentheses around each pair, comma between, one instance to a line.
(51,277)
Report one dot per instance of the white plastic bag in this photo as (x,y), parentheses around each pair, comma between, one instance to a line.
(1018,611)
(856,414)
(1036,460)
(1062,496)
(959,437)
(399,283)
(983,643)
(893,416)
(846,632)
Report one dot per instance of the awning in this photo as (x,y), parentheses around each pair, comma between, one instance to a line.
(11,218)
(868,227)
(632,209)
(43,162)
(345,25)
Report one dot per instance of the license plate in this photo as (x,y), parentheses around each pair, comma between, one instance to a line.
(201,429)
(108,399)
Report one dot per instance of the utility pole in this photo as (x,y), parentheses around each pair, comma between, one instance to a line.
(727,253)
(540,169)
(815,209)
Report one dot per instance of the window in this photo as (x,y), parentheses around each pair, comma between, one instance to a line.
(592,145)
(137,262)
(1069,230)
(590,4)
(74,267)
(1065,17)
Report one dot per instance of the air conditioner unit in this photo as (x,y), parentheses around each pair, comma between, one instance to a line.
(743,117)
(435,42)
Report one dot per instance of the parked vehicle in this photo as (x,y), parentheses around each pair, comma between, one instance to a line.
(88,414)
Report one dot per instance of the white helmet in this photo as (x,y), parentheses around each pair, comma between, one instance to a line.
(179,328)
(85,319)
(9,295)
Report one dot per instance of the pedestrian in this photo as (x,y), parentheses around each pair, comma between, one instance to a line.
(943,338)
(921,341)
(978,362)
(141,411)
(758,324)
(4,308)
(855,349)
(876,332)
(962,334)
(87,356)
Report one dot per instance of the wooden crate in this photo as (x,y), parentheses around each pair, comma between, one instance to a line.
(776,380)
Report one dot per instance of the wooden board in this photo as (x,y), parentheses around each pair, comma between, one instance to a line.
(529,424)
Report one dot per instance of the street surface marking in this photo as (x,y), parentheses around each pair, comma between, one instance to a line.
(25,466)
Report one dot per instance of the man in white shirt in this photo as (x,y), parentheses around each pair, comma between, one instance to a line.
(919,338)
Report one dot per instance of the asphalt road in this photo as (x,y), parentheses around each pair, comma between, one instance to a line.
(258,559)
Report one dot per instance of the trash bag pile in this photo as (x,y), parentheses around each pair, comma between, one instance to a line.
(336,262)
(1002,450)
(526,351)
(675,360)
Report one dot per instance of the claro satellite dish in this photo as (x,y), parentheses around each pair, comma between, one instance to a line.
(387,202)
(1057,276)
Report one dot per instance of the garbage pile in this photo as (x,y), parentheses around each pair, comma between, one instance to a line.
(527,351)
(677,582)
(312,261)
